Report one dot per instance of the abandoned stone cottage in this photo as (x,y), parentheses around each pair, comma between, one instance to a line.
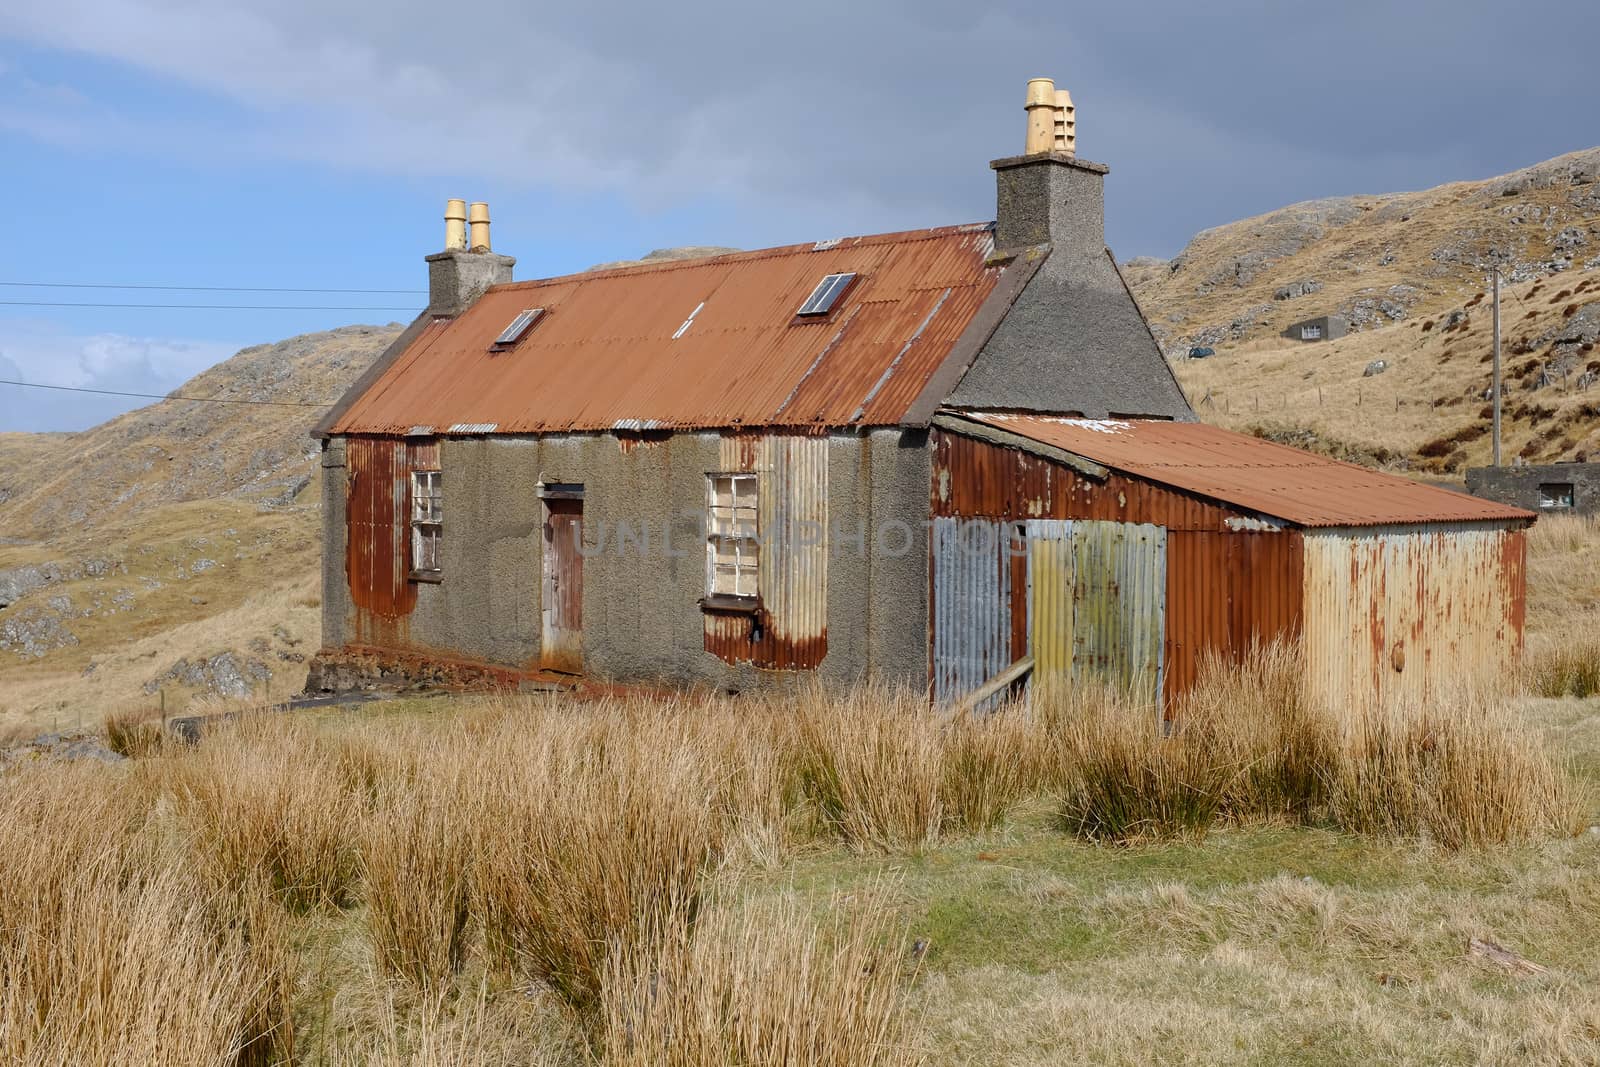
(931,458)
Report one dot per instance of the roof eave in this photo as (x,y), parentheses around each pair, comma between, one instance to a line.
(397,348)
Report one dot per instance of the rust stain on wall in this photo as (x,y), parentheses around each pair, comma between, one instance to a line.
(377,550)
(1402,613)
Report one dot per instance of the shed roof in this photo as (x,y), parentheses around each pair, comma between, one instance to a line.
(1247,472)
(615,348)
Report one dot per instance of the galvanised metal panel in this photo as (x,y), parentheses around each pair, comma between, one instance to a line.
(793,567)
(1051,579)
(1119,609)
(613,350)
(1402,613)
(971,605)
(789,628)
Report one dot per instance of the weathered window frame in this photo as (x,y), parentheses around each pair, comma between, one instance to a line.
(427,524)
(1557,496)
(733,545)
(1311,333)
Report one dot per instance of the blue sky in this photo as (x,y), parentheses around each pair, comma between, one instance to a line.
(286,143)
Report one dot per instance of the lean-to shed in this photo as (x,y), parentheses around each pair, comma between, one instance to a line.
(1130,549)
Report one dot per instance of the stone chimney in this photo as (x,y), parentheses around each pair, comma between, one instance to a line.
(1048,194)
(460,274)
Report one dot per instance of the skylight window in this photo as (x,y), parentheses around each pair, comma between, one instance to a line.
(519,326)
(826,294)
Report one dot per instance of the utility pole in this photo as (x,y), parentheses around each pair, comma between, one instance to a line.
(1496,386)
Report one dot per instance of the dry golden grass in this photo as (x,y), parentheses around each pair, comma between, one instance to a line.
(526,880)
(600,833)
(1247,745)
(112,950)
(416,857)
(763,984)
(264,805)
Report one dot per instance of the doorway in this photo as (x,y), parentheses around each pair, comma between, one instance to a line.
(561,637)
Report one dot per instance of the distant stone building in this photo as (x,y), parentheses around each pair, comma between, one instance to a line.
(1321,328)
(1550,489)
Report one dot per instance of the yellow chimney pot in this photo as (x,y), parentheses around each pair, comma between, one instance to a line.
(455,225)
(479,218)
(1066,124)
(1041,107)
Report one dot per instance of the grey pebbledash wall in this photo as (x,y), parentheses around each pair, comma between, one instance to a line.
(1519,486)
(1075,341)
(641,616)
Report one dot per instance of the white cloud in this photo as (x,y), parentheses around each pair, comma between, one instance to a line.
(43,355)
(831,114)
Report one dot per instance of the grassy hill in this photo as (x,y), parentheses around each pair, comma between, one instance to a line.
(1409,270)
(173,548)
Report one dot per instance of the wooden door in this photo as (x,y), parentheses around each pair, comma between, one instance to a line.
(561,647)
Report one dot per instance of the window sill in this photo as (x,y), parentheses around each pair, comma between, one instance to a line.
(430,577)
(723,604)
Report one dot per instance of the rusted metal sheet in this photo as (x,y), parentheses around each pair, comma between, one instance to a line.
(1225,585)
(788,630)
(378,477)
(612,349)
(977,479)
(971,605)
(1251,474)
(1119,605)
(1227,592)
(1405,612)
(561,638)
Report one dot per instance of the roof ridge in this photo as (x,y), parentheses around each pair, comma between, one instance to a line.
(928,233)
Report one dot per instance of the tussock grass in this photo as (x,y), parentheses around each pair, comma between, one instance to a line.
(522,881)
(111,949)
(134,734)
(874,764)
(263,803)
(762,985)
(600,835)
(1247,746)
(416,855)
(1564,666)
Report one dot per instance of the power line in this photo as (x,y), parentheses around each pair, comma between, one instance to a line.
(167,396)
(199,307)
(201,288)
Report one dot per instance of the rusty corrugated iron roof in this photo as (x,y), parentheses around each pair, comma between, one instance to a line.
(615,350)
(1247,472)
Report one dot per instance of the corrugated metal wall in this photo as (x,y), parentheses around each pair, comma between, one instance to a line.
(1225,593)
(1097,602)
(1221,587)
(790,628)
(975,479)
(971,604)
(377,556)
(1052,571)
(1119,610)
(1403,612)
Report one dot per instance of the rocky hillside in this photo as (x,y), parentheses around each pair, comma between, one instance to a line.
(1408,271)
(174,548)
